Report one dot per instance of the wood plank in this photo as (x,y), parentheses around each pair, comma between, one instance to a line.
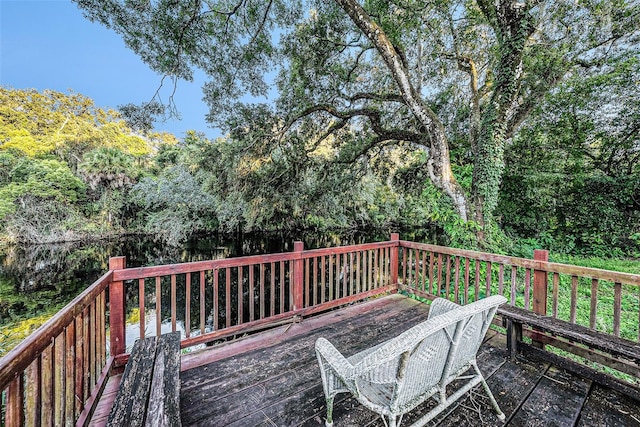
(164,398)
(511,384)
(607,407)
(278,335)
(101,413)
(255,383)
(556,401)
(129,407)
(367,314)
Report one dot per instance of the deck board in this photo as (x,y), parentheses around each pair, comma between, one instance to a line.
(272,379)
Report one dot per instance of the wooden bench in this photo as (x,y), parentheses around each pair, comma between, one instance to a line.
(149,393)
(617,353)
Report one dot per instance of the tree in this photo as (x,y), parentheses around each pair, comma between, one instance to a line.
(448,77)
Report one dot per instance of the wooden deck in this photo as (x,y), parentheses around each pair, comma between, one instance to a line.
(272,379)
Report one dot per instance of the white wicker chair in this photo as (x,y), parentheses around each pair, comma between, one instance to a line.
(394,377)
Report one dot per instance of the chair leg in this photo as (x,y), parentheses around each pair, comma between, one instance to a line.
(393,421)
(487,390)
(329,421)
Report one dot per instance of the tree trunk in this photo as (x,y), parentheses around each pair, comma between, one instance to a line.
(512,24)
(439,163)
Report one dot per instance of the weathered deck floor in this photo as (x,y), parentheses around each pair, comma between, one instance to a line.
(272,379)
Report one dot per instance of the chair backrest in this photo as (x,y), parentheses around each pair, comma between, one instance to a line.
(433,352)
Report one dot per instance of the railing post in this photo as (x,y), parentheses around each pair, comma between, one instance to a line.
(395,237)
(298,278)
(540,283)
(116,309)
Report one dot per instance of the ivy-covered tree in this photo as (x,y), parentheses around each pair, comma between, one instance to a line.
(448,77)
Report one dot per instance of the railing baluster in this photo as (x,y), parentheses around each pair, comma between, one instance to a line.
(272,290)
(306,284)
(447,280)
(527,288)
(203,296)
(514,275)
(14,414)
(411,268)
(351,274)
(501,279)
(216,300)
(86,359)
(556,289)
(488,280)
(456,285)
(58,379)
(339,278)
(240,295)
(424,272)
(345,282)
(100,334)
(316,299)
(33,401)
(141,308)
(79,370)
(158,306)
(47,385)
(617,307)
(322,278)
(252,302)
(187,303)
(92,344)
(404,266)
(358,273)
(227,297)
(69,374)
(439,285)
(467,267)
(431,264)
(262,296)
(173,303)
(476,286)
(574,298)
(370,270)
(594,304)
(330,280)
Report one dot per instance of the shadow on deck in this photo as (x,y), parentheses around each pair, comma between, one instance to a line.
(272,379)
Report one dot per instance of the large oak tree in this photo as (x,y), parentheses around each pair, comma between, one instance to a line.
(443,76)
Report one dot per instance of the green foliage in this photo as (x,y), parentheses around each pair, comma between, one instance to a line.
(174,205)
(573,174)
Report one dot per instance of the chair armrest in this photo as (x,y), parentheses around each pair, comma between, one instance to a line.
(334,358)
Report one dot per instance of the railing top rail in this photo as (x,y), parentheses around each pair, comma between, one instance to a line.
(19,358)
(574,270)
(190,267)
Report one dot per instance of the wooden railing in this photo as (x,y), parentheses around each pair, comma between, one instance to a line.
(584,296)
(225,297)
(59,370)
(55,376)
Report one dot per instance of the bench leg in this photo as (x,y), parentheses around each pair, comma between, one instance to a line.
(514,334)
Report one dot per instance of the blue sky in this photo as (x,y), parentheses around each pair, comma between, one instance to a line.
(48,44)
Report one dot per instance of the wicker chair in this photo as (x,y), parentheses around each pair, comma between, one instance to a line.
(394,377)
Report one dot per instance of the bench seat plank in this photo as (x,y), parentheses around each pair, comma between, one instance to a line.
(164,400)
(576,333)
(130,404)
